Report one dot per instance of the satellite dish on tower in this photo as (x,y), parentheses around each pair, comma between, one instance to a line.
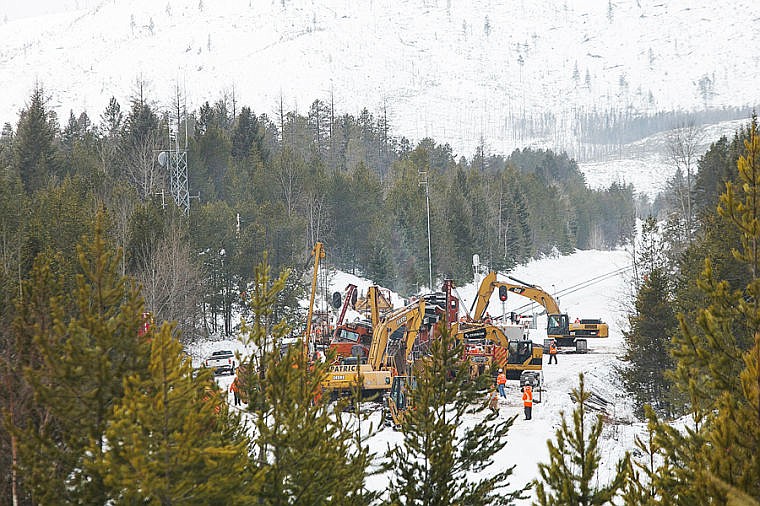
(163,158)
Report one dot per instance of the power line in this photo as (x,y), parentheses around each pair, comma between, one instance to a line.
(583,284)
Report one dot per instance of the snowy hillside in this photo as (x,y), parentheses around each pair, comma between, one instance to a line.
(590,284)
(457,71)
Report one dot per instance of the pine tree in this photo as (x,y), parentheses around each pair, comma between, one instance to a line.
(729,321)
(91,344)
(647,471)
(718,364)
(441,460)
(18,406)
(247,139)
(305,452)
(574,457)
(647,343)
(36,157)
(171,439)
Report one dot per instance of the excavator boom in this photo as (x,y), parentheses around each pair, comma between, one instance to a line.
(376,374)
(533,292)
(410,316)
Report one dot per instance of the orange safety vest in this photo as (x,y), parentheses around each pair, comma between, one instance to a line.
(528,397)
(501,379)
(234,386)
(553,349)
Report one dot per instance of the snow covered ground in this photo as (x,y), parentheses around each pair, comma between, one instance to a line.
(603,288)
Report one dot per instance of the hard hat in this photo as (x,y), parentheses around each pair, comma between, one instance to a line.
(501,370)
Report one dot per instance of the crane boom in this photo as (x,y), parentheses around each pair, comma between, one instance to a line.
(319,253)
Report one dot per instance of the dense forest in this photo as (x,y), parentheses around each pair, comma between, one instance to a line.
(95,411)
(277,185)
(693,343)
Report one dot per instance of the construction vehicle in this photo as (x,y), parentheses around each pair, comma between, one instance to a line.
(588,327)
(558,327)
(488,347)
(353,339)
(390,354)
(443,305)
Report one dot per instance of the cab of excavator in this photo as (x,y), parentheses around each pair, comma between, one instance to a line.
(557,325)
(399,391)
(520,351)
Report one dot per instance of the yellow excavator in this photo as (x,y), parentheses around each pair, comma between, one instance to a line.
(487,345)
(390,354)
(398,400)
(558,325)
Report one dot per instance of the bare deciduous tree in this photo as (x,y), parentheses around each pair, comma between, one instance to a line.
(317,211)
(682,145)
(289,176)
(170,280)
(142,168)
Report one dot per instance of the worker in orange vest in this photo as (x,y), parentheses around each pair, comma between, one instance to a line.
(528,401)
(501,383)
(235,389)
(553,352)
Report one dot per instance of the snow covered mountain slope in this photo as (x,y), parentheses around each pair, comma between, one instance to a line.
(490,71)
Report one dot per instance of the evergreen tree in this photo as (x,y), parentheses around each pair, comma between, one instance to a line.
(59,218)
(141,123)
(713,170)
(36,156)
(306,453)
(648,344)
(111,121)
(441,461)
(211,149)
(85,352)
(171,439)
(651,326)
(17,404)
(457,226)
(319,127)
(571,474)
(247,138)
(717,362)
(641,484)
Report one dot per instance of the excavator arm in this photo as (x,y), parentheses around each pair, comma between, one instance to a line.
(410,316)
(533,292)
(374,305)
(377,373)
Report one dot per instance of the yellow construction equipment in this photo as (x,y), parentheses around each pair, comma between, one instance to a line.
(488,346)
(558,325)
(390,353)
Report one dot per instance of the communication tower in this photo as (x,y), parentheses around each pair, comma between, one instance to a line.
(174,160)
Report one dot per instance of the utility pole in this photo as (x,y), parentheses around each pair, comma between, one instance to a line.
(424,174)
